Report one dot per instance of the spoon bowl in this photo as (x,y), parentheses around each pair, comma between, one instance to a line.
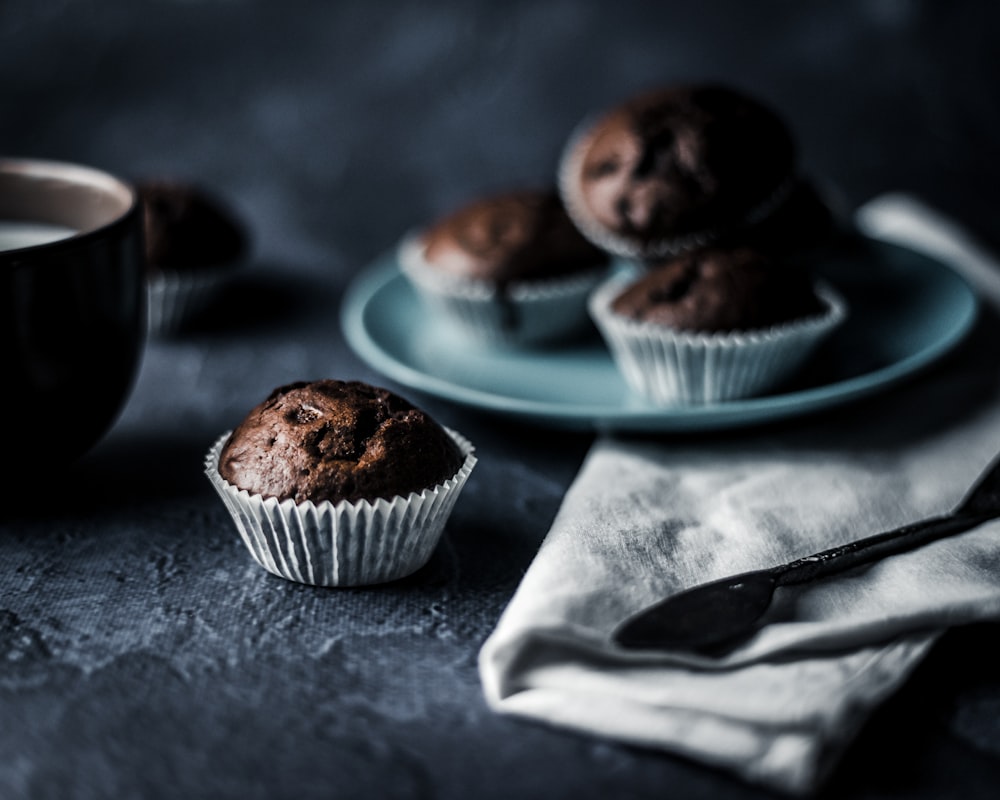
(710,614)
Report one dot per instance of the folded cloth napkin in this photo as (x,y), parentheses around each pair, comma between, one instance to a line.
(647,517)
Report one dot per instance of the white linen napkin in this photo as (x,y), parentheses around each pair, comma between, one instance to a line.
(646,517)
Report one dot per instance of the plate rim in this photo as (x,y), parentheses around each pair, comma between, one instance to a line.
(383,270)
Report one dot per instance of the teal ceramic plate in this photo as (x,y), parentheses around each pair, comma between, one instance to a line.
(906,310)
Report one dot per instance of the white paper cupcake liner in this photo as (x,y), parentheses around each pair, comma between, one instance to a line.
(174,297)
(526,313)
(672,368)
(626,247)
(345,543)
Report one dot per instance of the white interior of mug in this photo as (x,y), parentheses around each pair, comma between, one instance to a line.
(55,193)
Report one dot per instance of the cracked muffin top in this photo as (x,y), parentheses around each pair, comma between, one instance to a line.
(337,440)
(716,290)
(675,167)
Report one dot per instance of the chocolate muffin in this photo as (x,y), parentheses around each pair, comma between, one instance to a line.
(186,228)
(337,440)
(507,268)
(718,290)
(802,227)
(676,168)
(507,238)
(339,483)
(713,325)
(193,243)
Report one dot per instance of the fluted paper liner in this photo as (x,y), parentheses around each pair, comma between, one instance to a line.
(345,543)
(672,367)
(527,312)
(176,296)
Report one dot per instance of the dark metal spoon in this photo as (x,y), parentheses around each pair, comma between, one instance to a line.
(713,616)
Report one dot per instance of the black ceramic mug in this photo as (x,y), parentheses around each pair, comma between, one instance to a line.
(72,307)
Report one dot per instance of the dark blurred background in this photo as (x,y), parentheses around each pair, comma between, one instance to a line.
(337,125)
(143,655)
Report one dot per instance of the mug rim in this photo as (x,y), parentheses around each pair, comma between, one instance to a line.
(76,174)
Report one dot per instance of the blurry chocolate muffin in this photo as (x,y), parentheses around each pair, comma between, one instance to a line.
(802,226)
(507,268)
(193,242)
(716,289)
(186,228)
(512,237)
(676,168)
(713,325)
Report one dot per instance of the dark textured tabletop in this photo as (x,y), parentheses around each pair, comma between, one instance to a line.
(142,653)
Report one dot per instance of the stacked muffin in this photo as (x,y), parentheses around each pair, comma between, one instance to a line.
(675,169)
(699,186)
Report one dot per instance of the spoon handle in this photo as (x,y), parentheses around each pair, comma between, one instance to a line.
(875,547)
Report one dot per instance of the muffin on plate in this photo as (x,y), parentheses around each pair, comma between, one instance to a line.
(676,168)
(507,268)
(193,243)
(803,227)
(713,324)
(339,483)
